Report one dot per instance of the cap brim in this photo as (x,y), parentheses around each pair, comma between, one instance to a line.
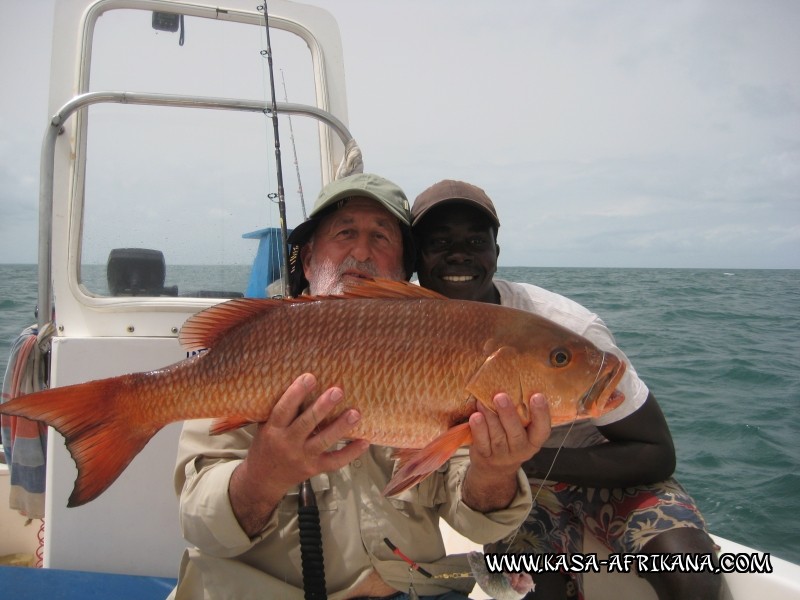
(469,202)
(303,232)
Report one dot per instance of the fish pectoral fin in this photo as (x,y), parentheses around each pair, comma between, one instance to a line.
(498,373)
(416,464)
(225,424)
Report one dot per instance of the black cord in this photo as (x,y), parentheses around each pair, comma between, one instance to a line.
(311,544)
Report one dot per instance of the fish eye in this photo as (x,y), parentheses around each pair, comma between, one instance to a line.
(560,357)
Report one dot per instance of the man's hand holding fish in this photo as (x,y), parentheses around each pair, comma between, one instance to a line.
(290,448)
(500,444)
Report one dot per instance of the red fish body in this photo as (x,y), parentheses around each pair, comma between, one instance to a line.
(411,362)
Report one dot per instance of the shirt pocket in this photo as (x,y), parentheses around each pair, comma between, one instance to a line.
(429,493)
(323,492)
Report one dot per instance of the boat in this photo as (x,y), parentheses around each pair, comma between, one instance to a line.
(157,200)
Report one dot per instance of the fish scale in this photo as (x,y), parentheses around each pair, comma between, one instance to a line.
(411,362)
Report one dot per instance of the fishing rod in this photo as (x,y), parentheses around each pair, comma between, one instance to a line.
(278,166)
(313,565)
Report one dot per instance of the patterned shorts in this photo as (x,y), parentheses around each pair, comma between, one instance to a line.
(623,519)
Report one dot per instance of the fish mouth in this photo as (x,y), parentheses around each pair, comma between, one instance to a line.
(603,395)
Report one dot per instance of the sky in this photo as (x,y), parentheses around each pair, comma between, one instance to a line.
(627,133)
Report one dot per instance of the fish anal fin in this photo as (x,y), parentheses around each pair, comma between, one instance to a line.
(414,465)
(226,424)
(498,373)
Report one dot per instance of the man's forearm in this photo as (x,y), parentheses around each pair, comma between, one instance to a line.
(253,512)
(609,465)
(487,492)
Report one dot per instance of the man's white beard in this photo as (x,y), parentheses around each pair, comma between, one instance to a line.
(325,278)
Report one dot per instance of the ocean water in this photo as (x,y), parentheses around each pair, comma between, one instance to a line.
(719,349)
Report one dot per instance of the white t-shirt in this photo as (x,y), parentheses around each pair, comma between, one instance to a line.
(575,317)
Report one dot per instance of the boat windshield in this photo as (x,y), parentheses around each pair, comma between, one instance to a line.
(170,192)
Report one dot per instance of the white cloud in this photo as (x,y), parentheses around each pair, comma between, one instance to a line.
(630,134)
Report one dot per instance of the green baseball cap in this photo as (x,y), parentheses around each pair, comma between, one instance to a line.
(360,185)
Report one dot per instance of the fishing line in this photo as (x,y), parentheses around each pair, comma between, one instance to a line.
(294,150)
(571,425)
(564,439)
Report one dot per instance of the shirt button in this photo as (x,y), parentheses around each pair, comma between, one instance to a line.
(357,463)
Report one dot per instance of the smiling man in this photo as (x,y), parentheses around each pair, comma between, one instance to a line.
(456,226)
(612,477)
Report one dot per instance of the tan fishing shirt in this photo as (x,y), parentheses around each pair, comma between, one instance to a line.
(355,518)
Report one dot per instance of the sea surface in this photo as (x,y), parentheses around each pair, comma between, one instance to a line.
(719,349)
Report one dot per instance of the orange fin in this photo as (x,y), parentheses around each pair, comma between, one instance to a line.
(101,438)
(226,424)
(416,464)
(206,327)
(386,288)
(495,375)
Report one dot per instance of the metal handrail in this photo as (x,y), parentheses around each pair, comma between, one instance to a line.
(45,295)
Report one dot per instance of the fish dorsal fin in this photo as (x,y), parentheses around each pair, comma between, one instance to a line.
(206,327)
(386,288)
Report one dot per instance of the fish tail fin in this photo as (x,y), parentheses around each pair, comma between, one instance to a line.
(99,434)
(416,464)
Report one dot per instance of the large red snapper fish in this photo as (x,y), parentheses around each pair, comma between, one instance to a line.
(412,362)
